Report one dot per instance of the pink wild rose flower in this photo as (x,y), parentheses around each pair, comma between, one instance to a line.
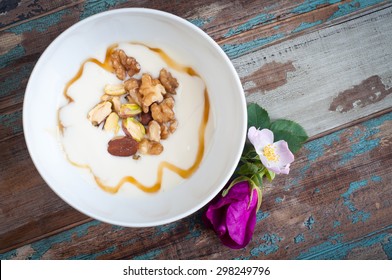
(275,156)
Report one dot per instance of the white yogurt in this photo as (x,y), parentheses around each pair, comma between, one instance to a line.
(87,145)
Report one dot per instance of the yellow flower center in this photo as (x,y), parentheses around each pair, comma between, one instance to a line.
(269,153)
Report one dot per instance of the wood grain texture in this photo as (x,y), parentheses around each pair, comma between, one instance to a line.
(274,46)
(333,205)
(16,11)
(329,74)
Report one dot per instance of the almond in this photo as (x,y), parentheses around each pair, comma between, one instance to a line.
(123,146)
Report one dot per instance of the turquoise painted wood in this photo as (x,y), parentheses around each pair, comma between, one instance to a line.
(335,204)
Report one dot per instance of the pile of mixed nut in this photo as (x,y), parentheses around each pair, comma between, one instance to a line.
(142,107)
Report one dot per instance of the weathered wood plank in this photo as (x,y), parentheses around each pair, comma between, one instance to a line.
(283,27)
(14,11)
(28,207)
(20,51)
(326,78)
(335,204)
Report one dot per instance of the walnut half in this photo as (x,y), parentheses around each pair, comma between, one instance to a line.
(163,112)
(123,64)
(168,81)
(151,92)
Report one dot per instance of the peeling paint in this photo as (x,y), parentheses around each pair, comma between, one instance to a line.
(200,22)
(11,123)
(306,25)
(376,178)
(159,230)
(260,215)
(257,20)
(387,247)
(95,255)
(335,248)
(236,50)
(278,200)
(9,41)
(336,224)
(356,215)
(318,147)
(93,7)
(369,91)
(195,226)
(15,81)
(269,246)
(299,238)
(366,143)
(269,77)
(310,5)
(9,255)
(41,24)
(352,6)
(43,246)
(309,222)
(13,54)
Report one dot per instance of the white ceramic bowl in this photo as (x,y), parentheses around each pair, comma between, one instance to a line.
(59,63)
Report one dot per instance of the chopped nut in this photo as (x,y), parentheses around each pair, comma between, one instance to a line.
(154,131)
(106,97)
(148,147)
(156,82)
(163,112)
(129,110)
(122,146)
(145,118)
(115,90)
(99,113)
(150,93)
(111,123)
(129,63)
(133,128)
(116,101)
(168,81)
(132,85)
(173,126)
(136,157)
(118,68)
(164,131)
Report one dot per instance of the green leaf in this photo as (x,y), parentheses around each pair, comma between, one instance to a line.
(291,132)
(270,175)
(248,168)
(259,178)
(257,116)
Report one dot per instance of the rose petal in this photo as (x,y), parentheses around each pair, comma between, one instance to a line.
(263,159)
(260,138)
(286,169)
(241,220)
(285,155)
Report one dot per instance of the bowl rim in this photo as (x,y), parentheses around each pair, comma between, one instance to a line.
(147,11)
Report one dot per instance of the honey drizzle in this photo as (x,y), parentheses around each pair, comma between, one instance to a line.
(105,65)
(184,173)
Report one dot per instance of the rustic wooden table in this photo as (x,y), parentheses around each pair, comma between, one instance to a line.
(326,64)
